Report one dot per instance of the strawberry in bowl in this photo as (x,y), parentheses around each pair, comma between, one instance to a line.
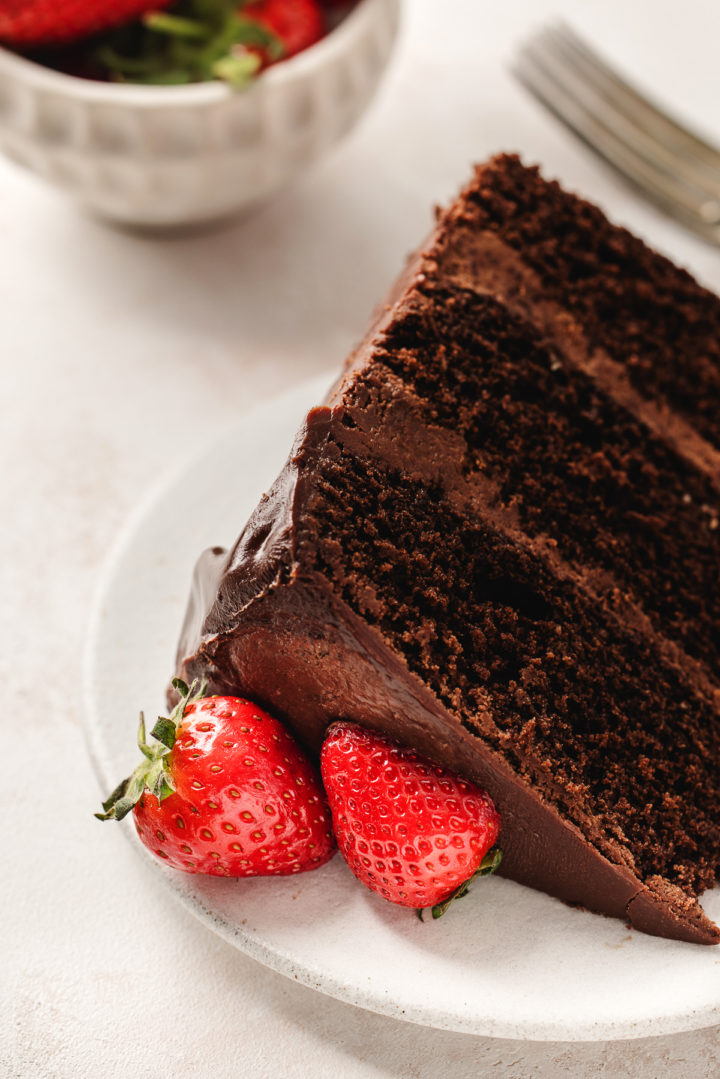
(32,23)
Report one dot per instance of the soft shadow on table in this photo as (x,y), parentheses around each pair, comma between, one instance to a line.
(398,1050)
(299,276)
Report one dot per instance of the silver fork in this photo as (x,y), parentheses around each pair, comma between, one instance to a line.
(672,166)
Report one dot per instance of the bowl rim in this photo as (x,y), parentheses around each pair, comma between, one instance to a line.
(338,41)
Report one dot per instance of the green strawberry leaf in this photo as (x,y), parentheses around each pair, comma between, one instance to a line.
(199,40)
(489,864)
(163,788)
(133,794)
(110,801)
(164,731)
(141,740)
(175,25)
(238,70)
(153,774)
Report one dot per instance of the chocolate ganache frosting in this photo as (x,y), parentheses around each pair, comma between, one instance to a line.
(480,545)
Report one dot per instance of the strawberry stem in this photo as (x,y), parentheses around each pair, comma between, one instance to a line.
(237,69)
(152,773)
(141,740)
(175,25)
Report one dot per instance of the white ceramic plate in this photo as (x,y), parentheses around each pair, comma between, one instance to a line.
(506,962)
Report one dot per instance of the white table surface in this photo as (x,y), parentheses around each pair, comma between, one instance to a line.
(120,356)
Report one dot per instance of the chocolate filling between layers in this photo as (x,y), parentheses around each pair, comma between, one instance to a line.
(629,506)
(648,314)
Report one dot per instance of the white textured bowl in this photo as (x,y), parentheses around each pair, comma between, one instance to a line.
(163,156)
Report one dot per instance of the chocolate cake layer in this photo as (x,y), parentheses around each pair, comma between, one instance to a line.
(499,542)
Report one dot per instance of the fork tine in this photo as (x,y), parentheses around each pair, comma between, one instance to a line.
(670,194)
(617,89)
(611,112)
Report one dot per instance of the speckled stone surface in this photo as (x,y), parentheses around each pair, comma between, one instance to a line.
(122,353)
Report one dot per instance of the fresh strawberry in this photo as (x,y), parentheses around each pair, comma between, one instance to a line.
(225,791)
(201,40)
(30,23)
(297,23)
(407,828)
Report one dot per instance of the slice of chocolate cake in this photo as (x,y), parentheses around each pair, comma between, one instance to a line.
(498,541)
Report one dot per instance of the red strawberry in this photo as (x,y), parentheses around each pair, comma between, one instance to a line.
(29,23)
(407,828)
(297,23)
(226,791)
